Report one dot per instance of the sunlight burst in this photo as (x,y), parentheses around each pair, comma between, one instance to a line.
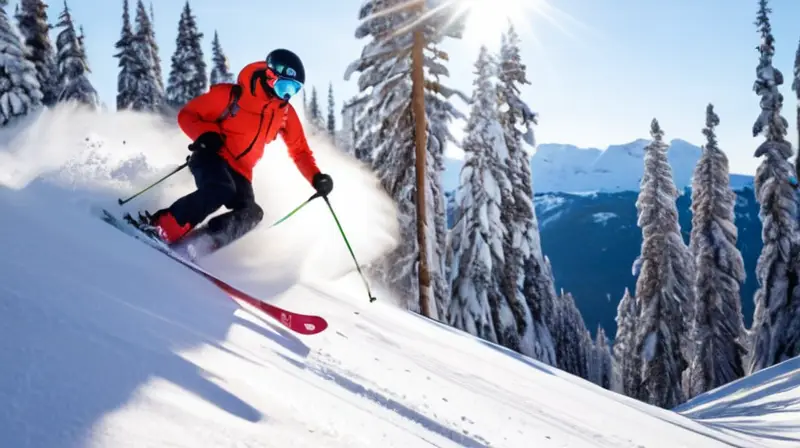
(488,19)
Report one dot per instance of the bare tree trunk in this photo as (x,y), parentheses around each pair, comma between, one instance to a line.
(420,128)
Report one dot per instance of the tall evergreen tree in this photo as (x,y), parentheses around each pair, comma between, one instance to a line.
(572,341)
(441,113)
(315,118)
(796,88)
(72,65)
(626,359)
(475,243)
(128,62)
(602,360)
(187,78)
(220,70)
(528,283)
(20,92)
(331,122)
(154,51)
(350,133)
(147,95)
(35,30)
(718,332)
(387,136)
(664,286)
(775,331)
(82,43)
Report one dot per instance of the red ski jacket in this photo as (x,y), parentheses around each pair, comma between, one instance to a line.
(256,119)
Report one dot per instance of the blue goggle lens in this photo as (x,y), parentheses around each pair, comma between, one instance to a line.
(287,88)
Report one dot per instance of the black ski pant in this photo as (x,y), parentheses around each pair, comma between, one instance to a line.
(218,185)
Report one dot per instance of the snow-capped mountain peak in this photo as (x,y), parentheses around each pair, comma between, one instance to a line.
(568,168)
(617,168)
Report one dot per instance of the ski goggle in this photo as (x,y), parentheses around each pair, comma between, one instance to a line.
(286,88)
(283,83)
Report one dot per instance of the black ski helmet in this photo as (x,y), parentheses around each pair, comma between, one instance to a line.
(280,58)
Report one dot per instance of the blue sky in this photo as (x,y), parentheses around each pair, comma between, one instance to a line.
(600,69)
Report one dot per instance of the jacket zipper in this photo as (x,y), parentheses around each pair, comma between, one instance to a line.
(258,132)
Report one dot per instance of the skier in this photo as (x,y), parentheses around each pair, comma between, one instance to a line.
(230,125)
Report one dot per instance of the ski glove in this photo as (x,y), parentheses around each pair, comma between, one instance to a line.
(322,183)
(208,141)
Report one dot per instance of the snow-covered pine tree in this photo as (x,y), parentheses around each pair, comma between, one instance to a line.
(664,287)
(20,92)
(626,359)
(147,95)
(345,135)
(330,124)
(220,70)
(72,65)
(35,30)
(528,282)
(386,135)
(351,125)
(475,243)
(441,113)
(155,52)
(796,88)
(128,66)
(718,332)
(775,333)
(602,360)
(82,43)
(187,77)
(571,339)
(315,117)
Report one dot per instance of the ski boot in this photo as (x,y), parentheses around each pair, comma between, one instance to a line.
(160,226)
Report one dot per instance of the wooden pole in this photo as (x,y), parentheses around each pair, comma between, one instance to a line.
(420,129)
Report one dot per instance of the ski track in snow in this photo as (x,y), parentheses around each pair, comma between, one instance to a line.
(106,342)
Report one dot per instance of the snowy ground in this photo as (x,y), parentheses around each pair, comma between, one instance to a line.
(106,342)
(764,406)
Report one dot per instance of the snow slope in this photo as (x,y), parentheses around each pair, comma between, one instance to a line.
(106,342)
(764,405)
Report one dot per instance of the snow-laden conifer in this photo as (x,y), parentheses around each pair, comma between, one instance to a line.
(718,332)
(775,333)
(386,134)
(571,339)
(626,358)
(664,287)
(475,243)
(73,69)
(330,122)
(528,282)
(128,66)
(220,69)
(146,92)
(20,91)
(35,29)
(187,78)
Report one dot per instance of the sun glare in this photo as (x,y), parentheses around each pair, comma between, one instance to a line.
(488,19)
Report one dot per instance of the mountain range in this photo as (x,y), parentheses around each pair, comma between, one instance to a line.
(585,202)
(564,168)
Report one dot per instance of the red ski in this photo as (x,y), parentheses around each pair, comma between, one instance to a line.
(299,323)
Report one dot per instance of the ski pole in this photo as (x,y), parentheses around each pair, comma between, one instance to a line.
(123,202)
(346,242)
(297,209)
